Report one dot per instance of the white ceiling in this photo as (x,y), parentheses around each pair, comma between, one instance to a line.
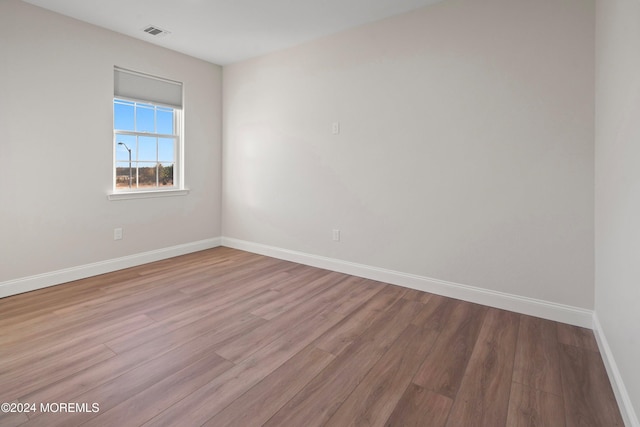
(227,31)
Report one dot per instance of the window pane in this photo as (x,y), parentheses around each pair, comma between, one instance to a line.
(165,121)
(165,174)
(153,159)
(147,148)
(145,120)
(146,174)
(122,175)
(122,153)
(123,115)
(166,150)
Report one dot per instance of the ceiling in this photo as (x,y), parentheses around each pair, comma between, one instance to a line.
(227,31)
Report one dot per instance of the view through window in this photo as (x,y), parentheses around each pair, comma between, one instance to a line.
(147,123)
(146,142)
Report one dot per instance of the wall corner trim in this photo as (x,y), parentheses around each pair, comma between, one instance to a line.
(31,283)
(619,389)
(530,306)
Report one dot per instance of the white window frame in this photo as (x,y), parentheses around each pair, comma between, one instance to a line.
(178,187)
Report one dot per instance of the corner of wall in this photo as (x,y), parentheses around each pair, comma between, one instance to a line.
(617,383)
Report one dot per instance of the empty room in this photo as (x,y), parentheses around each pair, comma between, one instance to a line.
(320,213)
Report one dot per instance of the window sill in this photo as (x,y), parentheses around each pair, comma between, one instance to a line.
(128,195)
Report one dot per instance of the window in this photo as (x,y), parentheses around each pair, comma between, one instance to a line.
(147,117)
(146,141)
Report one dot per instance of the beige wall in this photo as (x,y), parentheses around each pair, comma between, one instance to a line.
(56,146)
(465,152)
(618,186)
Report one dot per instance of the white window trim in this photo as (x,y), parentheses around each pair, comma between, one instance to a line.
(142,194)
(178,149)
(179,188)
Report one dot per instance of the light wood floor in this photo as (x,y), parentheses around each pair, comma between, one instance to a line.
(224,337)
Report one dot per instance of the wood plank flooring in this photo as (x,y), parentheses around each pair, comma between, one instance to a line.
(228,338)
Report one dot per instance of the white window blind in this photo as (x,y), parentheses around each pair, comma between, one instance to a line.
(129,84)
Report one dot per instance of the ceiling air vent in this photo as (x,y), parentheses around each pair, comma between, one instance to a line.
(155,31)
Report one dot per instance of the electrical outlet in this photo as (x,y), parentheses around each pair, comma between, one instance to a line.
(336,235)
(117,234)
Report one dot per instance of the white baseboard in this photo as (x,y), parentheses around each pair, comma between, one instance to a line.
(533,307)
(619,389)
(519,304)
(31,283)
(530,306)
